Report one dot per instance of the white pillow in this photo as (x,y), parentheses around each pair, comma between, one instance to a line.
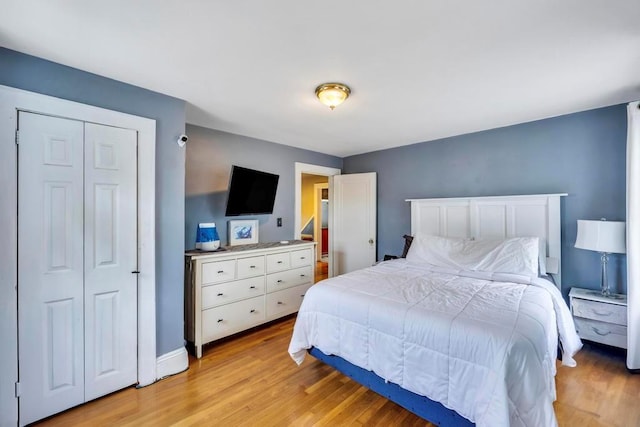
(518,255)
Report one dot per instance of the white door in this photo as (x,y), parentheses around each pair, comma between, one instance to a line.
(352,235)
(110,259)
(50,265)
(76,236)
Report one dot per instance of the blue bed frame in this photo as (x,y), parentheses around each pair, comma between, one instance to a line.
(422,406)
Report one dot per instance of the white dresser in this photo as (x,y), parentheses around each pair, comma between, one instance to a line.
(244,286)
(599,318)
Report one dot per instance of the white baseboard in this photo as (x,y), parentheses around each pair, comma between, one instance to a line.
(172,363)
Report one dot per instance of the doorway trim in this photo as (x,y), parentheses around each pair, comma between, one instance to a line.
(301,168)
(317,209)
(11,101)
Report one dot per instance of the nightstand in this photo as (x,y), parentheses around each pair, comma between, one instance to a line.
(598,318)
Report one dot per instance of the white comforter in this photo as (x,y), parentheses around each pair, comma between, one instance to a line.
(480,346)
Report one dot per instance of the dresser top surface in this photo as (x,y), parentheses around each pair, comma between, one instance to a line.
(232,250)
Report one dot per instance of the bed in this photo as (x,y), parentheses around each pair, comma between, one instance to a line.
(461,331)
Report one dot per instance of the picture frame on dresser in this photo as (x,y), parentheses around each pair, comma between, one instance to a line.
(243,232)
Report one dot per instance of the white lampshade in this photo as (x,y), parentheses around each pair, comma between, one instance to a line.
(601,236)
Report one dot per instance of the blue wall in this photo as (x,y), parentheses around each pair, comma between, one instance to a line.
(582,154)
(37,75)
(210,155)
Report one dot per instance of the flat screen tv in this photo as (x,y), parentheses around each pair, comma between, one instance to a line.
(251,192)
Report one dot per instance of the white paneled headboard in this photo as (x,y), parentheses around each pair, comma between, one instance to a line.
(494,217)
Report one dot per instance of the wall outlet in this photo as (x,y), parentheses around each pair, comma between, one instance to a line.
(279,222)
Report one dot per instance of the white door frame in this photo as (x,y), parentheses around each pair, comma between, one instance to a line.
(317,212)
(12,100)
(301,168)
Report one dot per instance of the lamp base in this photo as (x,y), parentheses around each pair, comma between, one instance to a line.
(604,277)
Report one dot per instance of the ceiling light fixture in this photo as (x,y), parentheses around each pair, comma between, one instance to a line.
(332,94)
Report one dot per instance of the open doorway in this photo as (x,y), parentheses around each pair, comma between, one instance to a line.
(321,209)
(312,211)
(314,215)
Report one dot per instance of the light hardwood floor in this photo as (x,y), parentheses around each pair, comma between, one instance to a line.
(249,380)
(321,271)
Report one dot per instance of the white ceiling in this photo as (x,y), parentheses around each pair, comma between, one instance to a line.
(419,70)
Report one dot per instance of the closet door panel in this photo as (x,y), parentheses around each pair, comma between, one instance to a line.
(110,259)
(50,265)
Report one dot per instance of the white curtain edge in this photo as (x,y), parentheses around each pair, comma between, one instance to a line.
(633,235)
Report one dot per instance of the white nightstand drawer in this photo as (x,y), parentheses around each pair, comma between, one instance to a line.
(611,313)
(249,267)
(605,333)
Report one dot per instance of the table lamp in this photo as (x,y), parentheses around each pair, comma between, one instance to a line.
(605,237)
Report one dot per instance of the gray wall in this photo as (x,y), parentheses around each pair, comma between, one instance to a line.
(582,154)
(210,155)
(37,75)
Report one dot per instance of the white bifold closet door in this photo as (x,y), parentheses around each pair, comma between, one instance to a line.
(77,254)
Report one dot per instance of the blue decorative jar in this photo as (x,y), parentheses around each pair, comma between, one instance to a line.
(207,238)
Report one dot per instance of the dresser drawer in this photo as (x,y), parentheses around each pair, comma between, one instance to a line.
(301,258)
(218,271)
(605,333)
(289,278)
(596,310)
(249,267)
(278,262)
(228,319)
(225,293)
(286,301)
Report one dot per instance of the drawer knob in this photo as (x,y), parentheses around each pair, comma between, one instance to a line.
(252,287)
(280,303)
(220,271)
(279,281)
(302,275)
(252,311)
(279,262)
(252,266)
(220,294)
(302,257)
(220,320)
